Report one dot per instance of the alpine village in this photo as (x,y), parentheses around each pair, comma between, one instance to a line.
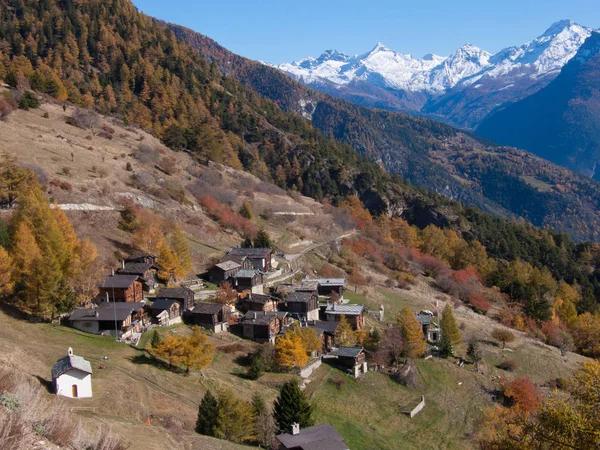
(202,251)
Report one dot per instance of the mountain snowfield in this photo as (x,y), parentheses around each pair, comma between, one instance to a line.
(432,73)
(513,68)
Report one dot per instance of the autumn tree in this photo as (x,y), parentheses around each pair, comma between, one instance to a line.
(226,294)
(448,326)
(13,180)
(6,267)
(235,418)
(412,333)
(289,351)
(503,335)
(246,210)
(196,353)
(391,347)
(169,268)
(309,338)
(561,421)
(181,249)
(292,406)
(586,334)
(344,335)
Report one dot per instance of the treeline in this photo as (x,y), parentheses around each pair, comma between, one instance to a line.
(45,269)
(226,416)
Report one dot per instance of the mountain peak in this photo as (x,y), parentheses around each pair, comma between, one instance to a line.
(559,26)
(379,48)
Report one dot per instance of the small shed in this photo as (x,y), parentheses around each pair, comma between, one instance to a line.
(259,302)
(355,314)
(183,295)
(213,316)
(303,304)
(72,376)
(249,280)
(350,359)
(261,326)
(170,307)
(223,271)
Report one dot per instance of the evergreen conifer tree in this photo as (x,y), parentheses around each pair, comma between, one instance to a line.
(263,240)
(208,414)
(246,243)
(445,346)
(156,340)
(292,406)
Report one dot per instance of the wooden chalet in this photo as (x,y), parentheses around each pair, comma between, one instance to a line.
(249,280)
(327,286)
(145,271)
(302,304)
(355,314)
(349,359)
(258,302)
(212,316)
(431,331)
(261,326)
(169,311)
(326,332)
(223,271)
(142,257)
(259,257)
(129,317)
(121,288)
(183,295)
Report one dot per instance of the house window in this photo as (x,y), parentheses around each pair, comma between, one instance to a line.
(74,391)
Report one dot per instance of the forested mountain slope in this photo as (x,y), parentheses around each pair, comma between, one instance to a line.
(562,121)
(437,157)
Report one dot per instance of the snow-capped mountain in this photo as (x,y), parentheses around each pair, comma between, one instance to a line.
(386,68)
(463,87)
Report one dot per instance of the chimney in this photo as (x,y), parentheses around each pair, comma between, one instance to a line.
(295,429)
(254,316)
(112,272)
(70,351)
(123,264)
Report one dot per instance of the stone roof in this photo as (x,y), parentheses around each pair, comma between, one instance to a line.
(321,326)
(259,317)
(161,304)
(178,293)
(207,308)
(331,281)
(345,310)
(106,311)
(259,298)
(228,265)
(246,273)
(424,319)
(306,285)
(134,268)
(250,252)
(299,297)
(319,437)
(235,258)
(69,362)
(350,352)
(119,281)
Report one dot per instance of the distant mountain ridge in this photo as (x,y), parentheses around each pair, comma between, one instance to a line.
(562,121)
(461,89)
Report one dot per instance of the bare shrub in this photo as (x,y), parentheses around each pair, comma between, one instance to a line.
(85,118)
(14,433)
(60,427)
(268,188)
(143,180)
(169,165)
(339,381)
(6,107)
(102,172)
(67,171)
(510,365)
(147,154)
(108,440)
(37,171)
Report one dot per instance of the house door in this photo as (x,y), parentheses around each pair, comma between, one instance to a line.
(74,391)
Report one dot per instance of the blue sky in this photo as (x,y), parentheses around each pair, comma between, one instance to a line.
(281,30)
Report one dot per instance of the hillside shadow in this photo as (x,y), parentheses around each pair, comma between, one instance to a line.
(45,384)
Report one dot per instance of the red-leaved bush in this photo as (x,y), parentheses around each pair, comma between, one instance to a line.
(521,393)
(434,266)
(479,302)
(227,217)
